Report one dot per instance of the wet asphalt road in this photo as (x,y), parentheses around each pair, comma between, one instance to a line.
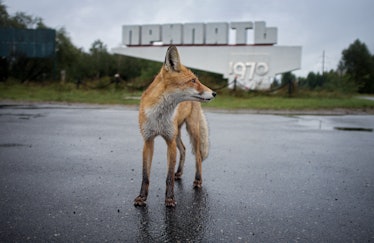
(70,173)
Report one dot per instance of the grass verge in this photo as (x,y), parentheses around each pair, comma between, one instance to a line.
(225,100)
(65,93)
(287,103)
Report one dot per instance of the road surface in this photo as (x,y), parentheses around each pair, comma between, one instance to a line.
(71,173)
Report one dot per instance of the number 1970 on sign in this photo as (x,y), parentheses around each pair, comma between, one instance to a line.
(248,70)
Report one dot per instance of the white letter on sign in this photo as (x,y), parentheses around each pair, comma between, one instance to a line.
(150,34)
(265,35)
(216,33)
(172,34)
(193,34)
(241,31)
(131,35)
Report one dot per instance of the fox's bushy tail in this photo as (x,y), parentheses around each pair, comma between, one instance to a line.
(197,128)
(204,136)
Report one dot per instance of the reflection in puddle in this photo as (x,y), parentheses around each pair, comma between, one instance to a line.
(186,222)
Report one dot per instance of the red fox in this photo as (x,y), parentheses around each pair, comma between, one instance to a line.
(171,100)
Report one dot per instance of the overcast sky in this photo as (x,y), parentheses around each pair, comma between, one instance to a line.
(316,25)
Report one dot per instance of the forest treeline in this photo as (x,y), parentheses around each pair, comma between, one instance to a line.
(354,73)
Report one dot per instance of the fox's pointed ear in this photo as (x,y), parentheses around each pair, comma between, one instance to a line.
(172,60)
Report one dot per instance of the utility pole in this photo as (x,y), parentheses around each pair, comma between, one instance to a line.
(323,62)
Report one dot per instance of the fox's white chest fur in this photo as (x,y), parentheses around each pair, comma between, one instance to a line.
(160,118)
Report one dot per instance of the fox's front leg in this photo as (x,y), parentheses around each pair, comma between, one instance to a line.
(147,162)
(172,156)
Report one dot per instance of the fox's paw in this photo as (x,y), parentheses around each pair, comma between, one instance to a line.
(170,202)
(140,201)
(197,184)
(178,176)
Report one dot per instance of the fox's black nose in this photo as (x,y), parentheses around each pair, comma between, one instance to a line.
(214,94)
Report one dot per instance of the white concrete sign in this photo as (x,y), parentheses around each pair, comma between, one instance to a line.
(206,47)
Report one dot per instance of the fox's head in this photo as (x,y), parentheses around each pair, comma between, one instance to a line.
(183,81)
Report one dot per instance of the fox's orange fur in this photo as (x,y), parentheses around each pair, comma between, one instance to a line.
(171,100)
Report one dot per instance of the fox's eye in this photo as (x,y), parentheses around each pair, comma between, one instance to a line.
(193,80)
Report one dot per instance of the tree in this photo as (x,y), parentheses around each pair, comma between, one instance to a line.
(101,60)
(4,16)
(289,79)
(358,65)
(19,20)
(335,82)
(66,54)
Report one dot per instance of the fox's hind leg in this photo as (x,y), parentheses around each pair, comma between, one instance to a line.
(182,154)
(193,130)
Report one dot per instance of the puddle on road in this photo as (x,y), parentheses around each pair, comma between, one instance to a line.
(24,116)
(354,129)
(322,123)
(11,145)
